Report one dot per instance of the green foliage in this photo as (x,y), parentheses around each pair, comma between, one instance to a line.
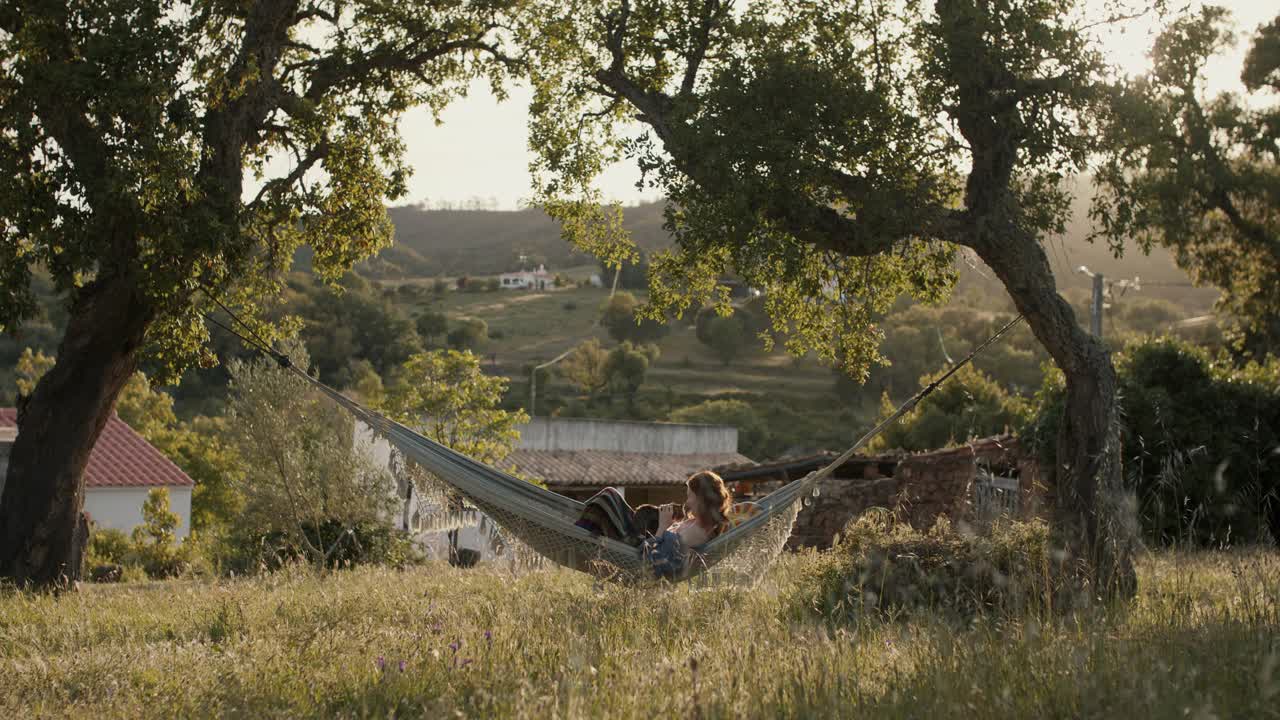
(300,464)
(148,190)
(207,456)
(633,275)
(618,315)
(345,325)
(470,334)
(626,367)
(726,336)
(109,545)
(446,396)
(31,366)
(346,545)
(431,325)
(1199,174)
(884,566)
(585,367)
(752,432)
(969,404)
(155,545)
(1200,438)
(762,119)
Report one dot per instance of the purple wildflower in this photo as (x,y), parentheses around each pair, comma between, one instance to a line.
(437,628)
(381,662)
(488,636)
(401,666)
(465,662)
(456,645)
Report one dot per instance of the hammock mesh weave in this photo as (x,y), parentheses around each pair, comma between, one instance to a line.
(544,520)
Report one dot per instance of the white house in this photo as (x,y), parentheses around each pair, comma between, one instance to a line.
(122,469)
(538,279)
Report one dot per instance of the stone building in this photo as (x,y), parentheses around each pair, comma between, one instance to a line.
(972,483)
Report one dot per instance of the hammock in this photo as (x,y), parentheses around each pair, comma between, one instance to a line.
(545,521)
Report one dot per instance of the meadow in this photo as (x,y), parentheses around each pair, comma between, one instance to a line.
(1199,641)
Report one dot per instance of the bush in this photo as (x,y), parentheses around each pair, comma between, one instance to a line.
(470,334)
(1199,438)
(968,405)
(618,316)
(752,432)
(366,543)
(108,546)
(883,566)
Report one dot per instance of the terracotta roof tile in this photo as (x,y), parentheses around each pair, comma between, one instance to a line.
(122,458)
(601,468)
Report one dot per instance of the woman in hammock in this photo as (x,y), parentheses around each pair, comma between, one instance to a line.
(667,542)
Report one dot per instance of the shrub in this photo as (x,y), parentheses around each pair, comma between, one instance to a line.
(570,306)
(970,404)
(108,546)
(618,316)
(155,545)
(752,432)
(363,543)
(884,566)
(1199,438)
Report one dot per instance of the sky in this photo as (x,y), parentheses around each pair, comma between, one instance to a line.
(480,149)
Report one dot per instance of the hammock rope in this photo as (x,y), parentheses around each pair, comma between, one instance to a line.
(545,521)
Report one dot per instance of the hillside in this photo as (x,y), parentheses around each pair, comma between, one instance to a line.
(483,242)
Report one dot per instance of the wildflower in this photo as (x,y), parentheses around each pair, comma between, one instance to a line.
(465,662)
(401,666)
(437,628)
(381,662)
(488,636)
(455,646)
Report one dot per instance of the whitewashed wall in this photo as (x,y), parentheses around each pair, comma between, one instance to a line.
(121,508)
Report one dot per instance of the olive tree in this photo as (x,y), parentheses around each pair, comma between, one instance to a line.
(1199,174)
(838,154)
(156,152)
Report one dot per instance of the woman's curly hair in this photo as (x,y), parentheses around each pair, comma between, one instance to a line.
(709,488)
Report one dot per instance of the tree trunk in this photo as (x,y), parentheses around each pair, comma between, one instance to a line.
(1095,514)
(57,428)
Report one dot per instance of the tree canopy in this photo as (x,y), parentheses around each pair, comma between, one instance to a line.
(835,155)
(160,152)
(1199,174)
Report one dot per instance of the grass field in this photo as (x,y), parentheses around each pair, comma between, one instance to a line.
(1200,641)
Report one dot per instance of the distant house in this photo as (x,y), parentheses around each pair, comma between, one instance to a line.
(538,279)
(123,467)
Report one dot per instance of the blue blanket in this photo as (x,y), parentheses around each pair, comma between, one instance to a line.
(665,554)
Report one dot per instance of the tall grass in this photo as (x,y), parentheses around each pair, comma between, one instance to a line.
(1199,641)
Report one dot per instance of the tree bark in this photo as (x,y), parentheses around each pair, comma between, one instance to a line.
(1094,513)
(58,426)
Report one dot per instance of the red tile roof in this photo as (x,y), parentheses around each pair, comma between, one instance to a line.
(121,458)
(600,468)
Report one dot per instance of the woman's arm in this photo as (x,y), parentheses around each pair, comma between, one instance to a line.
(665,516)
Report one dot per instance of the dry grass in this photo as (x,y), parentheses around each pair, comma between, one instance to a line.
(1199,641)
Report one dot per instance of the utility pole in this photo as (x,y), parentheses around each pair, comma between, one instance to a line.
(1096,309)
(1096,304)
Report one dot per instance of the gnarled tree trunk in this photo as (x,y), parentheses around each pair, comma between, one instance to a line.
(1093,510)
(57,428)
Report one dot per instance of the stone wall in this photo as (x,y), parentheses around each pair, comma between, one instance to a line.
(921,488)
(543,433)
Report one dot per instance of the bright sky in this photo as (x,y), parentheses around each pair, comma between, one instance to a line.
(481,150)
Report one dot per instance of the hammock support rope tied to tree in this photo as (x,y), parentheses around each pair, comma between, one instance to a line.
(545,521)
